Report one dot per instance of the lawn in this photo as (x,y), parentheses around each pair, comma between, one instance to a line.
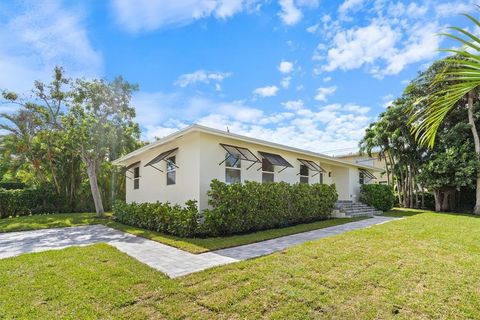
(193,245)
(424,266)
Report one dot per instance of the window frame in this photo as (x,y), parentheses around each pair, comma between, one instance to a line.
(303,176)
(136,177)
(171,168)
(361,177)
(236,167)
(267,172)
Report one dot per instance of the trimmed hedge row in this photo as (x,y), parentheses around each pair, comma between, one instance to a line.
(236,208)
(241,208)
(161,217)
(379,196)
(22,202)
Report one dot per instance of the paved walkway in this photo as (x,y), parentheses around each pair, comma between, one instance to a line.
(172,261)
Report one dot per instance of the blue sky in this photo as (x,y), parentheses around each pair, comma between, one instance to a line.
(307,73)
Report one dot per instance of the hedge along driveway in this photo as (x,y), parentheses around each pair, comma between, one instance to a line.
(193,245)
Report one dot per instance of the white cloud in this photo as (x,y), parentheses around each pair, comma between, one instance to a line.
(324,92)
(331,127)
(293,105)
(348,5)
(285,66)
(387,100)
(285,83)
(355,47)
(39,36)
(268,91)
(313,28)
(386,36)
(453,8)
(147,15)
(327,79)
(290,13)
(201,76)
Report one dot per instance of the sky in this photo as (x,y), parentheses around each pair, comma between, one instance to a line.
(311,74)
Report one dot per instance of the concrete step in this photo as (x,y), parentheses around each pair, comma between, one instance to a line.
(356,209)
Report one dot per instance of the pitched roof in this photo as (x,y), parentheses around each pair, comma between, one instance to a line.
(122,161)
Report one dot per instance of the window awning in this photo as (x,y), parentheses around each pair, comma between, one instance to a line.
(312,165)
(132,165)
(276,160)
(367,173)
(161,157)
(127,169)
(240,152)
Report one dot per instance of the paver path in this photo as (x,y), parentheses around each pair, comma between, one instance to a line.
(172,261)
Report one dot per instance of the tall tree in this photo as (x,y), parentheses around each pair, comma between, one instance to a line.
(100,122)
(457,85)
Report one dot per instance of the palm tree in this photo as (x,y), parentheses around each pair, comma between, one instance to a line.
(458,84)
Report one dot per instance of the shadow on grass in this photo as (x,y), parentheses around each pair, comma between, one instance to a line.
(404,212)
(407,212)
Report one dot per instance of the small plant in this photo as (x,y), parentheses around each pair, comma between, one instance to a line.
(379,196)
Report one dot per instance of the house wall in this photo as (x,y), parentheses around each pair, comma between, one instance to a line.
(212,153)
(199,157)
(153,183)
(374,161)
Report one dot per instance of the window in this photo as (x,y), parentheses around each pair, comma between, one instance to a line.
(171,171)
(321,177)
(267,171)
(303,174)
(361,176)
(136,177)
(233,168)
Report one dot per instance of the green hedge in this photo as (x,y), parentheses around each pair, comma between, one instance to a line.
(379,196)
(236,208)
(252,206)
(12,185)
(21,202)
(161,217)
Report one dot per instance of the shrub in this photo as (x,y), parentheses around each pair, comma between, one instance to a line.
(12,185)
(240,208)
(21,202)
(161,217)
(379,196)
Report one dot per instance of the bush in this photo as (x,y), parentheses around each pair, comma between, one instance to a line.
(379,196)
(12,185)
(240,208)
(161,217)
(21,202)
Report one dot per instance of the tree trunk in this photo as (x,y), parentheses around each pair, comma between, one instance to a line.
(92,178)
(476,140)
(438,201)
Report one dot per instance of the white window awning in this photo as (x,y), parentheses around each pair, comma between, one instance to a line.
(239,153)
(161,157)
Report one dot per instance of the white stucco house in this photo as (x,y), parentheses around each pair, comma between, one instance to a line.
(180,167)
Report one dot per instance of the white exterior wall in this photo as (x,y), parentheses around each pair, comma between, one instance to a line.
(153,183)
(212,153)
(198,157)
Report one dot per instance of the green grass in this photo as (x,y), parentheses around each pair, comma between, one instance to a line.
(193,245)
(424,266)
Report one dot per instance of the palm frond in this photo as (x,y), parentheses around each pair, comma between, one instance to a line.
(461,76)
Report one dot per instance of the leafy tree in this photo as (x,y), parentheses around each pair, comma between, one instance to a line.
(451,166)
(458,84)
(100,124)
